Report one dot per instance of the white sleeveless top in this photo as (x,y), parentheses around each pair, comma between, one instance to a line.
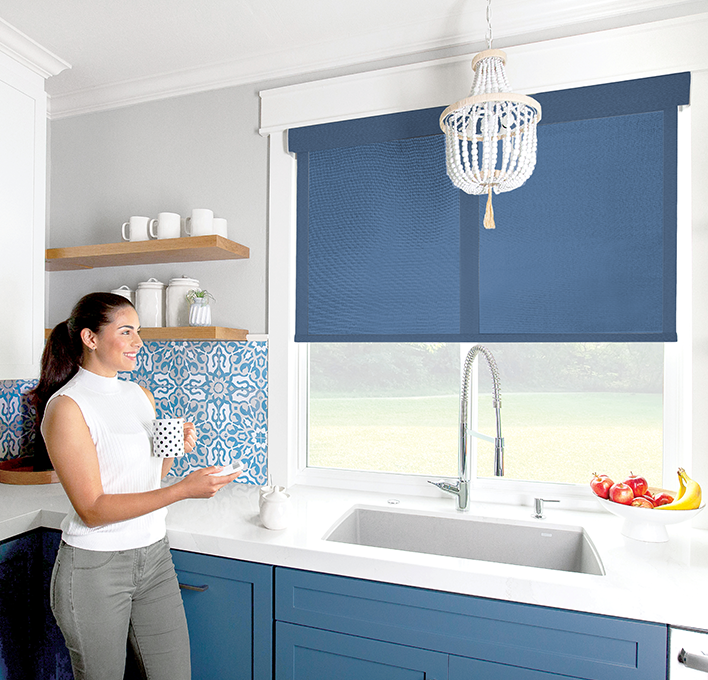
(118,414)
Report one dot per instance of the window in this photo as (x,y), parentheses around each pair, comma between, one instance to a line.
(427,85)
(602,401)
(568,409)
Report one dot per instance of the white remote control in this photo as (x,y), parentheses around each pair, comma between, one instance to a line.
(238,466)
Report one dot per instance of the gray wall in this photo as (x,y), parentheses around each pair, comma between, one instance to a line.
(194,151)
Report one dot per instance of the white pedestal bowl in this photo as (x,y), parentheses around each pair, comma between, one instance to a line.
(647,524)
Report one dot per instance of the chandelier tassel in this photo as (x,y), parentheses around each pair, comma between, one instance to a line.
(489,212)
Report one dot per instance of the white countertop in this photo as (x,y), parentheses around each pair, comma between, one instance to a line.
(662,582)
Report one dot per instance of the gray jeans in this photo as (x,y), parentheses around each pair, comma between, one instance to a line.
(102,599)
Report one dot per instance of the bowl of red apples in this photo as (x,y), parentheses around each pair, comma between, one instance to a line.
(636,503)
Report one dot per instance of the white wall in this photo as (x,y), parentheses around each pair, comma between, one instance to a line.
(196,151)
(699,219)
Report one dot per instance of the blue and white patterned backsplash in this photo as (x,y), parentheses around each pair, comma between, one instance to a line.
(220,386)
(16,418)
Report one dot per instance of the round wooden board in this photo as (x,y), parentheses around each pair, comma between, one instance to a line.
(14,472)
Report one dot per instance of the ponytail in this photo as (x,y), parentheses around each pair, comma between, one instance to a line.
(63,355)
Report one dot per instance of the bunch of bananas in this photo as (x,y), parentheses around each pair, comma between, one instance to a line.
(689,495)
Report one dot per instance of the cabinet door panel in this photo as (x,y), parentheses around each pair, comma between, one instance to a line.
(230,622)
(473,669)
(16,608)
(310,654)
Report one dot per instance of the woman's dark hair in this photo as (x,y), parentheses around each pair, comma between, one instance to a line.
(63,354)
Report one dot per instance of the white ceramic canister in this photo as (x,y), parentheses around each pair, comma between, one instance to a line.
(177,309)
(148,303)
(276,510)
(126,292)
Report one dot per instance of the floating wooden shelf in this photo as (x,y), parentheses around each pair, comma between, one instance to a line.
(188,333)
(194,333)
(190,249)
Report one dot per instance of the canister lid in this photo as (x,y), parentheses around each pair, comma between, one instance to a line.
(184,281)
(276,496)
(151,283)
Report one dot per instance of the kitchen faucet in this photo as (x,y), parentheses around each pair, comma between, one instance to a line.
(461,488)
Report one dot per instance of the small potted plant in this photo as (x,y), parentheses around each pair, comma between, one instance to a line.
(200,309)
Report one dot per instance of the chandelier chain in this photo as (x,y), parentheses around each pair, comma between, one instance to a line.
(489,25)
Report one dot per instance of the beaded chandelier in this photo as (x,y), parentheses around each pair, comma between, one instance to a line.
(490,135)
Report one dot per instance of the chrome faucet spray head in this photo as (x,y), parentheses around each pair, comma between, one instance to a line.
(496,402)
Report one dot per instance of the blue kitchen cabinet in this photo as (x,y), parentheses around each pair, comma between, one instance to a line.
(52,661)
(309,654)
(229,615)
(17,559)
(229,607)
(480,638)
(334,627)
(31,645)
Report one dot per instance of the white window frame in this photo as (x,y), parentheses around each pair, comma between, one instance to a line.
(556,64)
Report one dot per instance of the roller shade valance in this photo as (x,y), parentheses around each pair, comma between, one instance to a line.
(389,250)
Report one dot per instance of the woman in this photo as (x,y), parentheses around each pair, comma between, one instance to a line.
(113,579)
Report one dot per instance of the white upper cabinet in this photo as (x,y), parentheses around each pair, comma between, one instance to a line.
(24,66)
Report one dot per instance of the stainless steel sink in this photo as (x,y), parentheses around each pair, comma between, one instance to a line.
(530,544)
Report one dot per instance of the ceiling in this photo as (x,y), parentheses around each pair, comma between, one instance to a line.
(136,50)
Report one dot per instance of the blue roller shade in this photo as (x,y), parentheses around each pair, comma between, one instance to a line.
(390,250)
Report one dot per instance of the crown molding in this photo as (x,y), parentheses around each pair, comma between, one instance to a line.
(255,69)
(409,40)
(607,56)
(30,54)
(163,86)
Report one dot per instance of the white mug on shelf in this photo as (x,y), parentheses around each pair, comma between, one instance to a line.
(137,229)
(200,222)
(220,227)
(167,225)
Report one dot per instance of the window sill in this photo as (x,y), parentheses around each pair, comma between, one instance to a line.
(489,490)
